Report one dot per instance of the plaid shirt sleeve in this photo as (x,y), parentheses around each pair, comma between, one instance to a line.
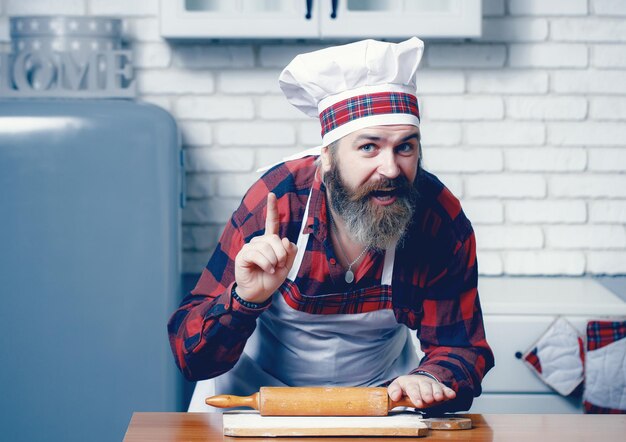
(209,330)
(451,331)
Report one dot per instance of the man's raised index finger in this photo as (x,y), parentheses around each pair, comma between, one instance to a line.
(271,218)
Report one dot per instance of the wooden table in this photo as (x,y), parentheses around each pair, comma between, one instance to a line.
(156,427)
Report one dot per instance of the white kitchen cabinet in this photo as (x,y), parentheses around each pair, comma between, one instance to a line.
(517,311)
(320,19)
(236,19)
(400,18)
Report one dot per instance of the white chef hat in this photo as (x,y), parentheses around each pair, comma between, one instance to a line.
(357,85)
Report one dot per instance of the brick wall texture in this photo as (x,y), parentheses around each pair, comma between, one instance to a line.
(526,125)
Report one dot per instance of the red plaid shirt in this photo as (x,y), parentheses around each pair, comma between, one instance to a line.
(433,289)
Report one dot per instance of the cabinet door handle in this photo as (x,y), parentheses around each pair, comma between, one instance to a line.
(309,7)
(333,13)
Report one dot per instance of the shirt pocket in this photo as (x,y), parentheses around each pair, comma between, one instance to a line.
(407,306)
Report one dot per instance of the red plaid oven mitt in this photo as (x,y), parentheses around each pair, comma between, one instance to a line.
(558,357)
(605,370)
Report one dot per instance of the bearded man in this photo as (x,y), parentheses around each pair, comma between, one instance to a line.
(333,259)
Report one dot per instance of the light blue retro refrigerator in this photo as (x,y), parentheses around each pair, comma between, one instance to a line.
(90,197)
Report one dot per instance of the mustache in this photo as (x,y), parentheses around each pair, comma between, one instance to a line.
(399,186)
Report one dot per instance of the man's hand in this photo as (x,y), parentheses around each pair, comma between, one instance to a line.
(422,390)
(263,264)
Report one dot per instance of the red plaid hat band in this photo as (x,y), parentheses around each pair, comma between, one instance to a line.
(370,105)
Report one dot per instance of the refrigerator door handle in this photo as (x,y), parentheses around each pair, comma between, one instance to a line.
(183,180)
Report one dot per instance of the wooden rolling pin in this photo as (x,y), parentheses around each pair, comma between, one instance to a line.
(314,401)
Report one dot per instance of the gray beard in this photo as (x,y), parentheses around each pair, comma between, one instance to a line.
(369,224)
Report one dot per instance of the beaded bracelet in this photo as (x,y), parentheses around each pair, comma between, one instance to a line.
(248,304)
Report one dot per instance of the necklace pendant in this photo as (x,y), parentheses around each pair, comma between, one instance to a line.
(349,276)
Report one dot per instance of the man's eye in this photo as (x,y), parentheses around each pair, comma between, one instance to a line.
(406,147)
(367,148)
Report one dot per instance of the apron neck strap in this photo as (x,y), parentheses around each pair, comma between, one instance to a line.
(303,239)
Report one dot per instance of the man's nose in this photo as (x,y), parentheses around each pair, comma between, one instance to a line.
(388,166)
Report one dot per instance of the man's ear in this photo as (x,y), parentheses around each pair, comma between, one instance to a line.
(325,159)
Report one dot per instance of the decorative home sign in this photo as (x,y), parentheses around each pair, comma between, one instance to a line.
(64,56)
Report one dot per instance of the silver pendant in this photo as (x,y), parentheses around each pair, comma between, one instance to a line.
(349,276)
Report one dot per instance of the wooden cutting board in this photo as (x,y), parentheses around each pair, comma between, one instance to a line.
(250,423)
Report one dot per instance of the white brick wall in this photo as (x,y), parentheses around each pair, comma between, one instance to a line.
(213,108)
(279,55)
(174,81)
(545,55)
(271,155)
(545,159)
(484,211)
(464,55)
(493,8)
(141,29)
(526,124)
(255,134)
(151,55)
(546,108)
(234,185)
(277,108)
(506,186)
(587,134)
(603,211)
(309,133)
(454,182)
(594,29)
(514,29)
(588,237)
(507,82)
(441,134)
(489,263)
(463,160)
(552,7)
(545,262)
(196,133)
(200,185)
(546,211)
(612,263)
(509,237)
(38,7)
(201,238)
(219,160)
(609,7)
(608,108)
(462,108)
(610,160)
(609,56)
(590,81)
(506,134)
(440,82)
(589,186)
(203,57)
(209,211)
(249,81)
(122,7)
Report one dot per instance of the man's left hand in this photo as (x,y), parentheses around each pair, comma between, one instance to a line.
(422,390)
